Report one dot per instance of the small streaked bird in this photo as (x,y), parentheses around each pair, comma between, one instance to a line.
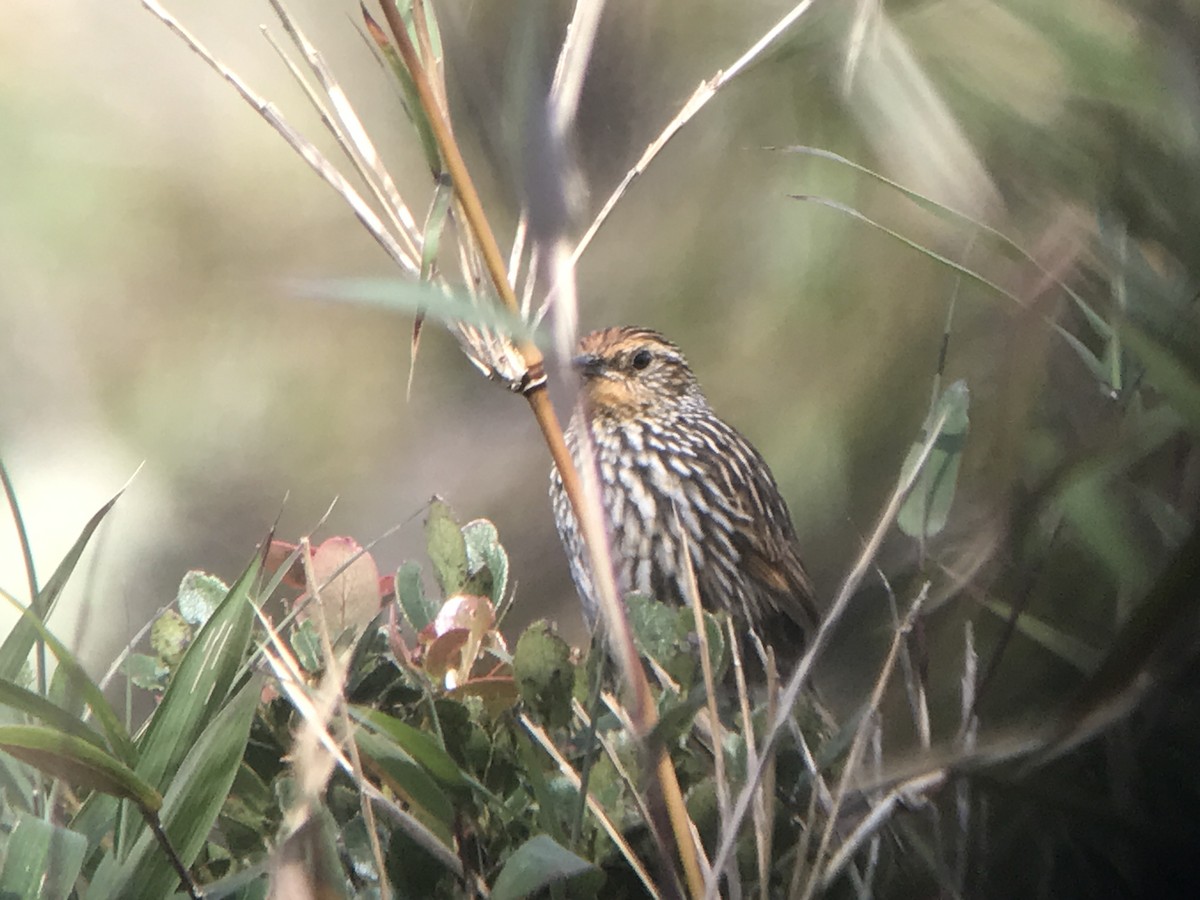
(669,467)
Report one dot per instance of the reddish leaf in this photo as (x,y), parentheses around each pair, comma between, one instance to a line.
(277,554)
(351,598)
(387,588)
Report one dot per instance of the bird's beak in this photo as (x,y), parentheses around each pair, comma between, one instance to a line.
(589,365)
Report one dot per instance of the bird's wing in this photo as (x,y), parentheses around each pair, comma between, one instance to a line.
(762,529)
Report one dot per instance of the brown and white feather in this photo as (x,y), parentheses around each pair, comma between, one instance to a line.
(669,467)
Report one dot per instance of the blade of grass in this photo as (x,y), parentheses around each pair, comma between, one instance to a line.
(1065,646)
(190,807)
(20,640)
(1101,327)
(37,706)
(78,679)
(199,687)
(14,507)
(412,103)
(78,762)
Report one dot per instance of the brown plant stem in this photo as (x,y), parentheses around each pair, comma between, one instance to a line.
(534,389)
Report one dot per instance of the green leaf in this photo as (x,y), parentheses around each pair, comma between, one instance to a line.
(147,672)
(77,762)
(435,222)
(539,863)
(928,504)
(663,632)
(416,298)
(484,550)
(675,717)
(169,636)
(34,704)
(421,746)
(1099,514)
(412,101)
(657,628)
(544,673)
(1172,370)
(198,595)
(41,861)
(410,781)
(77,681)
(410,593)
(306,644)
(20,640)
(190,807)
(447,547)
(1067,648)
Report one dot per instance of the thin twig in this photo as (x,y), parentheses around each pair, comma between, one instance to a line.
(160,834)
(304,147)
(347,129)
(865,726)
(699,99)
(710,689)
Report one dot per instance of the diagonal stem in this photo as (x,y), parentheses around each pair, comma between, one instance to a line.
(533,387)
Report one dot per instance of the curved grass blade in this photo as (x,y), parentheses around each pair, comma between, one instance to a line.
(909,242)
(77,762)
(77,679)
(1101,327)
(1172,370)
(20,640)
(420,746)
(10,494)
(409,780)
(199,687)
(1069,649)
(37,706)
(200,684)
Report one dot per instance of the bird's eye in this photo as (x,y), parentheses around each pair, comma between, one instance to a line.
(641,359)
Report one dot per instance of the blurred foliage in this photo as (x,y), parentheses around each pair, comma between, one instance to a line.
(1008,196)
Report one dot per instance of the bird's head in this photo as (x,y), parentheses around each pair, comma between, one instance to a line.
(632,371)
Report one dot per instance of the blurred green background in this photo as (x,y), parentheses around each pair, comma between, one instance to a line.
(151,225)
